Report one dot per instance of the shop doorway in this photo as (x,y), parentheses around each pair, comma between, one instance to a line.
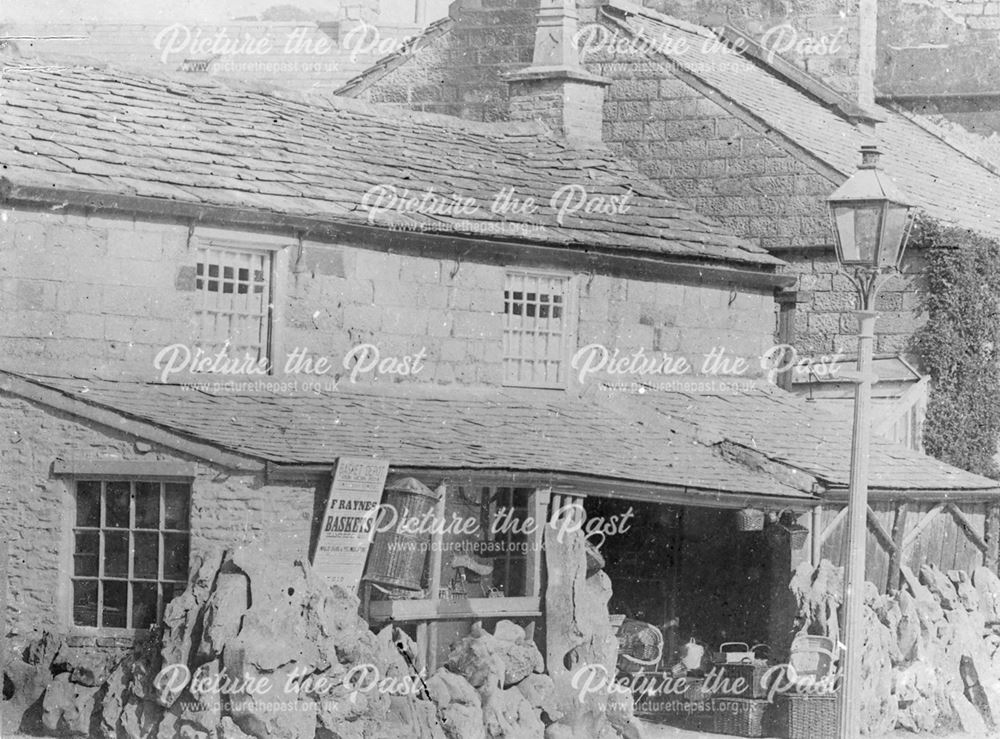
(689,572)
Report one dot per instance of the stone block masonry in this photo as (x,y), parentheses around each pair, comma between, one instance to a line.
(725,166)
(106,295)
(36,508)
(825,321)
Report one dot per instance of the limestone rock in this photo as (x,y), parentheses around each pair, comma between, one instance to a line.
(927,606)
(224,610)
(507,715)
(229,730)
(558,731)
(462,721)
(621,716)
(968,717)
(939,584)
(967,594)
(42,650)
(508,631)
(578,636)
(987,586)
(115,697)
(907,628)
(29,681)
(68,707)
(437,688)
(915,689)
(879,706)
(476,658)
(140,719)
(407,717)
(270,644)
(539,691)
(446,687)
(181,618)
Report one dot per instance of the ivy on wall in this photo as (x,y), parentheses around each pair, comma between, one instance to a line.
(960,345)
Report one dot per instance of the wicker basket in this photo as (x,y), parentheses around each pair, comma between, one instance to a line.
(807,716)
(753,677)
(396,560)
(797,535)
(739,716)
(750,519)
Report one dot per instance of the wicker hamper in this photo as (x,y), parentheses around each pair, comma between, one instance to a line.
(807,716)
(753,675)
(739,716)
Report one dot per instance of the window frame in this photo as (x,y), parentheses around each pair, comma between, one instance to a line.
(277,249)
(105,472)
(570,329)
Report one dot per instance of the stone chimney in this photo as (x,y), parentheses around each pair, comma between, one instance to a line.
(556,89)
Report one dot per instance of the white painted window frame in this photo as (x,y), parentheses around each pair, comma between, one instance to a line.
(569,331)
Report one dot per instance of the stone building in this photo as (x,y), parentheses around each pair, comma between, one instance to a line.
(748,136)
(212,296)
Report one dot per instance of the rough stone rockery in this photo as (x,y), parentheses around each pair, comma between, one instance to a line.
(931,656)
(257,647)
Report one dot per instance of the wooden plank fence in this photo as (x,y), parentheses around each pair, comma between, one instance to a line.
(951,535)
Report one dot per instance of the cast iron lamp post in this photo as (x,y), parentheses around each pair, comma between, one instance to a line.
(871,220)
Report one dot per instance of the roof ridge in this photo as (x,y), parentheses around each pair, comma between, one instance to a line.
(332,102)
(687,69)
(800,78)
(631,7)
(944,136)
(381,67)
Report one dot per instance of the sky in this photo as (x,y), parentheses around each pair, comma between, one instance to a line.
(172,11)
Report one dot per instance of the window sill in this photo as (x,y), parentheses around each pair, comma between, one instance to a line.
(107,637)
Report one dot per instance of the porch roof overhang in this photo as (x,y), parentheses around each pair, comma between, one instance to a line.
(543,438)
(753,447)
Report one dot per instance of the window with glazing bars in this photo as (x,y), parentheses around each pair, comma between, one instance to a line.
(234,292)
(130,551)
(535,337)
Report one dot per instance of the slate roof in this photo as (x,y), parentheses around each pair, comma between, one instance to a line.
(659,438)
(91,130)
(790,430)
(942,180)
(366,77)
(297,55)
(430,427)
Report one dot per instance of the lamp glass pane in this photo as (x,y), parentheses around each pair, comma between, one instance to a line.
(843,218)
(896,220)
(867,231)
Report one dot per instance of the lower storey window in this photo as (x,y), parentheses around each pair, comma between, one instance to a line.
(131,542)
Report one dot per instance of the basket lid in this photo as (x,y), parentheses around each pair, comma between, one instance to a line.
(410,485)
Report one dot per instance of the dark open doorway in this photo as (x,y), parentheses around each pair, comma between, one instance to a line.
(689,572)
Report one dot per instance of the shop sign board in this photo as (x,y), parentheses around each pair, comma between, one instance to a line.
(345,535)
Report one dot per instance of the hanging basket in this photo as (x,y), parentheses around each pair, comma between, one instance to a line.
(750,519)
(797,534)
